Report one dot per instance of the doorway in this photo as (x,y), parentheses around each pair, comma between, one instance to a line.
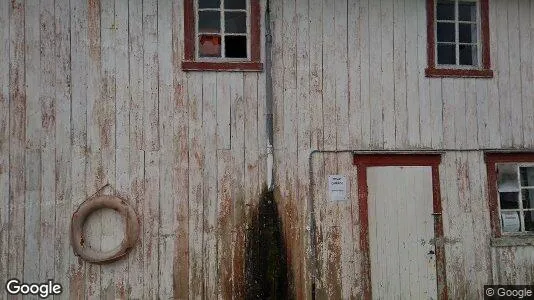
(401,226)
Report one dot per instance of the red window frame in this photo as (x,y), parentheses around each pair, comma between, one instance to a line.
(433,70)
(492,159)
(191,64)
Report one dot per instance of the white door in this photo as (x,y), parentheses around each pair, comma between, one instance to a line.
(401,231)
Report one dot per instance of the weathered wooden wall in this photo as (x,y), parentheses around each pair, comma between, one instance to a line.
(349,75)
(92,93)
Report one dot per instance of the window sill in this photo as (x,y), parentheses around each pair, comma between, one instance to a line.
(458,73)
(512,241)
(249,66)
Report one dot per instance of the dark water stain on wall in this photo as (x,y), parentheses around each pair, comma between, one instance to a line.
(266,262)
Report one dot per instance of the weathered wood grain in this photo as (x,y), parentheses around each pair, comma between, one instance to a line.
(17,140)
(4,142)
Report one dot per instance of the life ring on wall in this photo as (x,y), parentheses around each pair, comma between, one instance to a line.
(89,206)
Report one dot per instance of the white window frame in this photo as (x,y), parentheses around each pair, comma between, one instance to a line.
(222,33)
(457,22)
(520,208)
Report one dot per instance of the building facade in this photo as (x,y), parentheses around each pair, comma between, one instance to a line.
(422,110)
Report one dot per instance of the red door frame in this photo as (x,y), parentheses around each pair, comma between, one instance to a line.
(362,162)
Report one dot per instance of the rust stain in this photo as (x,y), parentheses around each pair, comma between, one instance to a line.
(93,30)
(333,278)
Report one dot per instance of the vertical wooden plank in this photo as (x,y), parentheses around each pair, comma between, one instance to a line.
(303,139)
(122,127)
(365,96)
(412,74)
(106,109)
(32,228)
(181,161)
(4,142)
(449,136)
(341,74)
(63,145)
(332,228)
(151,225)
(436,112)
(32,64)
(503,74)
(32,221)
(96,177)
(318,261)
(526,30)
(514,48)
(223,111)
(329,73)
(17,139)
(375,63)
(354,73)
(288,191)
(277,30)
(47,101)
(209,177)
(79,69)
(238,179)
(471,113)
(424,82)
(166,129)
(348,276)
(399,74)
(225,222)
(493,88)
(388,80)
(137,157)
(315,74)
(482,110)
(196,205)
(151,140)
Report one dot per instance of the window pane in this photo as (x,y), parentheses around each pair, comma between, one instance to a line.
(446,54)
(210,46)
(527,176)
(467,11)
(528,198)
(445,32)
(529,221)
(468,33)
(468,55)
(235,22)
(235,4)
(507,178)
(445,10)
(236,46)
(209,21)
(509,200)
(209,3)
(510,221)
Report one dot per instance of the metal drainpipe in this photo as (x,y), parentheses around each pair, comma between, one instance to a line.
(269,98)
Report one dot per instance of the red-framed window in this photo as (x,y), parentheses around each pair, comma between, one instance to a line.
(458,38)
(511,194)
(222,35)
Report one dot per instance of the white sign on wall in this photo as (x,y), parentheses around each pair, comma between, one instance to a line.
(337,187)
(510,221)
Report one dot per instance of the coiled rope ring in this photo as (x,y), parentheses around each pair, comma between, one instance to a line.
(81,247)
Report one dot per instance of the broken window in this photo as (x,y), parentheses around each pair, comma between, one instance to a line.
(515,187)
(222,29)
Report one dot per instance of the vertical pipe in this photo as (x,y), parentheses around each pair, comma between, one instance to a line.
(269,98)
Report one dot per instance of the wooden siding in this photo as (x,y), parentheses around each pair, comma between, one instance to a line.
(92,95)
(349,75)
